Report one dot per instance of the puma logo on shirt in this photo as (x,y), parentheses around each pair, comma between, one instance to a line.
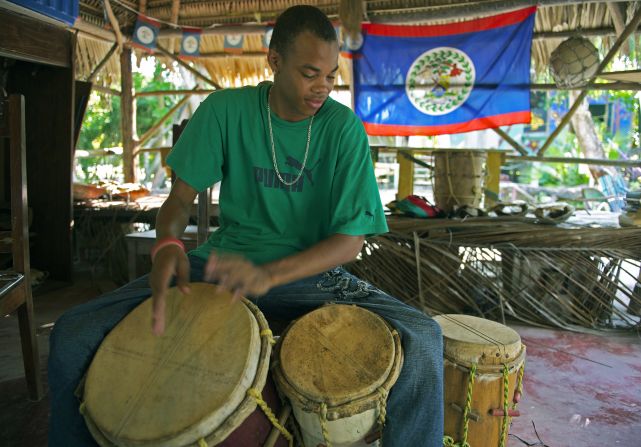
(268,178)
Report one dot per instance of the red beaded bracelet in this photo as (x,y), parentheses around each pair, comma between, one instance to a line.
(163,243)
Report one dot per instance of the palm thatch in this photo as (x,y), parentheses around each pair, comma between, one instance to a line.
(572,277)
(230,70)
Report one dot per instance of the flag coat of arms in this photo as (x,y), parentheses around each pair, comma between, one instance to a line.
(233,43)
(190,43)
(438,79)
(145,33)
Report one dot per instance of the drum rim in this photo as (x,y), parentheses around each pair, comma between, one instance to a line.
(228,425)
(341,409)
(451,344)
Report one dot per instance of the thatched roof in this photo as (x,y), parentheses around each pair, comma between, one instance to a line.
(588,18)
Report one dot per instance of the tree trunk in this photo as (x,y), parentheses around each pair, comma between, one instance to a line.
(587,137)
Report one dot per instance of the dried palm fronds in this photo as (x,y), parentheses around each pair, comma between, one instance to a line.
(573,278)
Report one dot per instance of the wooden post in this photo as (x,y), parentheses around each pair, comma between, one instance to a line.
(494,161)
(405,176)
(127,117)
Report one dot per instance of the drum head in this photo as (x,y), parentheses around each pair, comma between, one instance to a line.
(337,353)
(471,339)
(174,389)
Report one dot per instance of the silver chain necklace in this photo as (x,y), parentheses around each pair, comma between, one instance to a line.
(271,139)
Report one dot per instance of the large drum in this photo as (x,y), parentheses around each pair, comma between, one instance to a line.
(458,178)
(483,365)
(337,365)
(196,385)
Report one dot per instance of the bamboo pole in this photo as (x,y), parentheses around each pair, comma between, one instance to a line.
(102,63)
(585,161)
(175,8)
(511,141)
(127,116)
(175,92)
(109,91)
(509,157)
(463,10)
(187,67)
(114,24)
(159,123)
(632,25)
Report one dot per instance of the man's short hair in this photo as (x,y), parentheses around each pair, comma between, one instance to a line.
(296,20)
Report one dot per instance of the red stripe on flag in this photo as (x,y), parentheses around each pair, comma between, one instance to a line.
(469,26)
(486,122)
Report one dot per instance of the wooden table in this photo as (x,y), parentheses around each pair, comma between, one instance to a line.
(139,248)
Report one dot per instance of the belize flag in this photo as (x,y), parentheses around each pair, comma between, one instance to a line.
(438,79)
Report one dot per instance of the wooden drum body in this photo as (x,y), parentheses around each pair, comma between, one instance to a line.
(336,365)
(458,178)
(495,353)
(189,387)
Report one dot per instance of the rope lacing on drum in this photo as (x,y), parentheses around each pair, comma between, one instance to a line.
(255,394)
(448,441)
(382,406)
(269,334)
(323,424)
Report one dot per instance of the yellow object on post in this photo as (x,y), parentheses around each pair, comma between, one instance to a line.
(493,177)
(405,176)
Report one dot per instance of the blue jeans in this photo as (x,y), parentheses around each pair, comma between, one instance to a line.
(415,403)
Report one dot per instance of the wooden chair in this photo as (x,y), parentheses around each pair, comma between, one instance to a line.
(15,286)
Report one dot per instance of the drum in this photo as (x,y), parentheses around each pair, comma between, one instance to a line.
(336,365)
(196,385)
(458,178)
(483,378)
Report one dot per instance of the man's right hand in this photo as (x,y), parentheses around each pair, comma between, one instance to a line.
(170,261)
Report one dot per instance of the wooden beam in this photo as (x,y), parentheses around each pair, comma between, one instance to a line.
(575,160)
(219,30)
(618,20)
(159,123)
(462,10)
(249,29)
(186,66)
(127,117)
(28,39)
(90,31)
(114,23)
(199,91)
(102,63)
(175,7)
(511,141)
(107,90)
(585,32)
(606,60)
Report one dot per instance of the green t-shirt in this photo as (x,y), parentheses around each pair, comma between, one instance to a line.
(227,140)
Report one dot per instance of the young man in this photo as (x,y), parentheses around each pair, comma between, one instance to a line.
(297,197)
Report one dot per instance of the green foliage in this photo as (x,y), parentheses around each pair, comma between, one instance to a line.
(101,126)
(152,108)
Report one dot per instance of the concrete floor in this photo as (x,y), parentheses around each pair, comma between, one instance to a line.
(579,389)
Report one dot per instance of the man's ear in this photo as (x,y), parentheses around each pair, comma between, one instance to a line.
(274,60)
